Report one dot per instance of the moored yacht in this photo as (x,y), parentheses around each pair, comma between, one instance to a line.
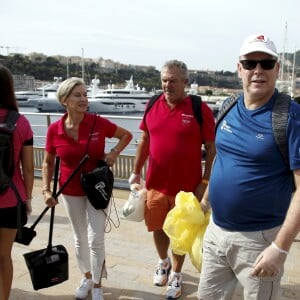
(40,93)
(130,99)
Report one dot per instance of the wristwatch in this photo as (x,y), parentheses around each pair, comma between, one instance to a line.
(115,150)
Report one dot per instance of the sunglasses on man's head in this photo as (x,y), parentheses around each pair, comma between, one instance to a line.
(266,64)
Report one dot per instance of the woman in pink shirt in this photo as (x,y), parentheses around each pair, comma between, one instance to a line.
(22,181)
(76,133)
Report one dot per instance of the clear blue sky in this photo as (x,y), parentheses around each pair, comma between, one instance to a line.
(206,34)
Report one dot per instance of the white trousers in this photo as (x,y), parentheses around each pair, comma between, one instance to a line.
(88,226)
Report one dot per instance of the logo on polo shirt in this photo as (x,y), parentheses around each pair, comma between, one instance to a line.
(186,119)
(226,127)
(260,136)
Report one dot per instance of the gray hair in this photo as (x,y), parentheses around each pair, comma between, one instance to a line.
(66,87)
(170,64)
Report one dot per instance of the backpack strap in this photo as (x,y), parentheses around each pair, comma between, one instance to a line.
(197,108)
(150,103)
(11,118)
(225,108)
(280,115)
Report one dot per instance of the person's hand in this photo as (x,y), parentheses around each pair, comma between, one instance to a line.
(269,262)
(134,178)
(111,158)
(49,200)
(28,206)
(205,206)
(199,192)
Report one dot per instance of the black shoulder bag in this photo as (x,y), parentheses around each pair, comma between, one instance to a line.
(98,184)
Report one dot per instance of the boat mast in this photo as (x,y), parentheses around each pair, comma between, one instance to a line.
(68,73)
(293,75)
(282,69)
(82,63)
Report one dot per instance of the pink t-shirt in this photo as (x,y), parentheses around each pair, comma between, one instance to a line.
(22,134)
(71,152)
(175,145)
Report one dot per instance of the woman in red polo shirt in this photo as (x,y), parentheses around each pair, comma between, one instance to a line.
(22,181)
(70,138)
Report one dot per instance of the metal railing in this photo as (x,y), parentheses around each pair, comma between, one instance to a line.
(122,169)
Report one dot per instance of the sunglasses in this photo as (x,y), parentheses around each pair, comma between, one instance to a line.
(266,64)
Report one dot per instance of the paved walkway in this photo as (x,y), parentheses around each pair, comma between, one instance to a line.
(131,260)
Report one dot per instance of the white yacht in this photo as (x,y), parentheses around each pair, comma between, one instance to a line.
(40,93)
(46,104)
(131,99)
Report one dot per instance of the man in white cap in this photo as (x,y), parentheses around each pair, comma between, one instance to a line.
(255,213)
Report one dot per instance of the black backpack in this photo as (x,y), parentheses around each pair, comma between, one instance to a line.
(196,104)
(280,114)
(7,166)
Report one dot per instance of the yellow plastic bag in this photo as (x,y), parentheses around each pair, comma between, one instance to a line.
(185,225)
(183,222)
(196,250)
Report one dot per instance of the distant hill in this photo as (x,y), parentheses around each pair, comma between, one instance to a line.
(45,68)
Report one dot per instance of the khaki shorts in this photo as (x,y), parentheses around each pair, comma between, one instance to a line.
(228,258)
(156,209)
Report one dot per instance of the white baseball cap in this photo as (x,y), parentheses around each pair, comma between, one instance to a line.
(258,43)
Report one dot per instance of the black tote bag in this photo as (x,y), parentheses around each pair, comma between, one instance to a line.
(98,185)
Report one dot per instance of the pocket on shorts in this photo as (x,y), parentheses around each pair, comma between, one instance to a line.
(268,235)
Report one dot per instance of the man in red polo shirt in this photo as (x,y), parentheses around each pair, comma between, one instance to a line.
(172,142)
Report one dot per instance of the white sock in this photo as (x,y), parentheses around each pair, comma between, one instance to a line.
(164,261)
(177,274)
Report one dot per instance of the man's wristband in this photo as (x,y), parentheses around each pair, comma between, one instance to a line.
(205,181)
(279,249)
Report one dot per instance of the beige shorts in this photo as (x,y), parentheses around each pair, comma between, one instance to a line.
(228,258)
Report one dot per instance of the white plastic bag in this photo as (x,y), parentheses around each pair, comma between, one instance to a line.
(133,209)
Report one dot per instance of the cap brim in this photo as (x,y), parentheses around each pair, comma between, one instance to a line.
(263,50)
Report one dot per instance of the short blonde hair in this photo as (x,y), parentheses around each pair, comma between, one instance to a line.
(66,87)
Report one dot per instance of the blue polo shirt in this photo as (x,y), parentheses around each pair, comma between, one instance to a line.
(250,187)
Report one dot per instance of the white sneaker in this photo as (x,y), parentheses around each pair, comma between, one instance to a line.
(174,287)
(160,277)
(86,284)
(97,294)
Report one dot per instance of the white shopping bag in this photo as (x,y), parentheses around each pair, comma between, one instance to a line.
(133,209)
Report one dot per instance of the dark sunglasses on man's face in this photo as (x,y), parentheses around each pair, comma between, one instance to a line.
(266,64)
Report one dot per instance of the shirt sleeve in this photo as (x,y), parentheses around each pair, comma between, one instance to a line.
(110,127)
(49,146)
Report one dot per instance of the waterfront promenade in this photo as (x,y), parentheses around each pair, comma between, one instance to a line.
(130,260)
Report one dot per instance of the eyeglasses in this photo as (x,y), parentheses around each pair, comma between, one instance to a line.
(266,64)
